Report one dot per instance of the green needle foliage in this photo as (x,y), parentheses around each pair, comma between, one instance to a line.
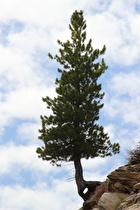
(72,132)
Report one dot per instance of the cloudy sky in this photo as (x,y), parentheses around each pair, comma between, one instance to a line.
(29,29)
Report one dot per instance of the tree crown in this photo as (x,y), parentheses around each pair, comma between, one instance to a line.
(72,130)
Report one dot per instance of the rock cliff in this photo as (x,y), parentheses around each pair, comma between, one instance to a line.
(120,191)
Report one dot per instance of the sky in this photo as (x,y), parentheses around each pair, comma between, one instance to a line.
(29,30)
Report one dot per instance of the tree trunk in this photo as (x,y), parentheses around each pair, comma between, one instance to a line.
(79,177)
(83,185)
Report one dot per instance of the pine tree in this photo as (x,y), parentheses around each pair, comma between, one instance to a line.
(71,132)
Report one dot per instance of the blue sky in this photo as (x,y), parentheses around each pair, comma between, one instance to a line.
(29,29)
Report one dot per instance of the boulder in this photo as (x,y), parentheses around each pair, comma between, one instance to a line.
(110,201)
(127,176)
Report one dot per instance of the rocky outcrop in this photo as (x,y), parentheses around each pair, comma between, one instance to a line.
(127,176)
(120,191)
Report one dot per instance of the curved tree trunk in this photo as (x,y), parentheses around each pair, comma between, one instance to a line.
(83,185)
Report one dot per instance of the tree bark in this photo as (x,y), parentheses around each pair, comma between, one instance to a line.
(79,176)
(83,185)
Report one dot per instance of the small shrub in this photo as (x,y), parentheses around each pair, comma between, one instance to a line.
(134,155)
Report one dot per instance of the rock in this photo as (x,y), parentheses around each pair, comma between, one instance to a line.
(120,191)
(110,201)
(127,176)
(136,187)
(134,207)
(117,187)
(93,201)
(130,202)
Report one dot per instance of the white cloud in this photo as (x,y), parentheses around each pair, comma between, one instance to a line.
(24,104)
(28,132)
(118,7)
(14,157)
(124,97)
(16,70)
(110,128)
(30,39)
(117,28)
(126,83)
(39,197)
